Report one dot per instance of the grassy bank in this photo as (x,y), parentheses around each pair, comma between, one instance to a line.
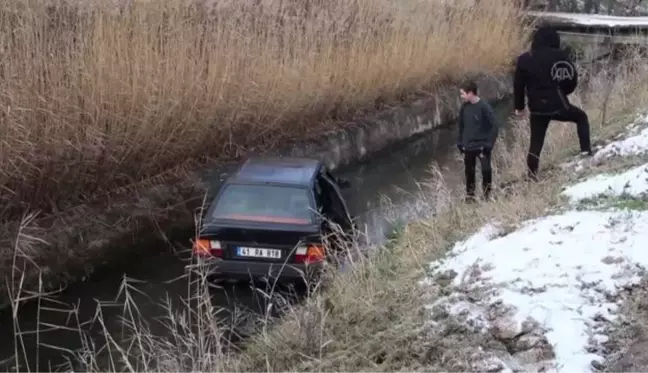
(98,95)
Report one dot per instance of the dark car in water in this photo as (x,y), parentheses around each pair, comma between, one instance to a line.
(269,219)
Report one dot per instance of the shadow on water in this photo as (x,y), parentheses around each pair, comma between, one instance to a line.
(54,328)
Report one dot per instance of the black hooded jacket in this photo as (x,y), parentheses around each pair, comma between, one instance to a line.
(547,74)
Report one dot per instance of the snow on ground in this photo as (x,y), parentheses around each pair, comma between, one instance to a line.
(562,273)
(633,145)
(633,182)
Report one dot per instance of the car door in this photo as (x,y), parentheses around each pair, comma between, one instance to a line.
(338,207)
(321,199)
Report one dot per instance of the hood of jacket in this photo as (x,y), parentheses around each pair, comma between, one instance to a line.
(545,37)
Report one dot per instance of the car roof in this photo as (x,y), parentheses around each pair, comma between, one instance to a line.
(280,170)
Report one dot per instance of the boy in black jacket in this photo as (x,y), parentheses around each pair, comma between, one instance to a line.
(478,130)
(547,75)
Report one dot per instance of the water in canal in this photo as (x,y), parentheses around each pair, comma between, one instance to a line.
(51,330)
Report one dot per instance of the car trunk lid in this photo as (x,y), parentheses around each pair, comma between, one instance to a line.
(267,243)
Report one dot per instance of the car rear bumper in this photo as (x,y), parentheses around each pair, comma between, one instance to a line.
(251,270)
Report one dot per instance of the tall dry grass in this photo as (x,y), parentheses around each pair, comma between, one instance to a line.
(96,95)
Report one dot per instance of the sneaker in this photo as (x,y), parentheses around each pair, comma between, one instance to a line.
(586,153)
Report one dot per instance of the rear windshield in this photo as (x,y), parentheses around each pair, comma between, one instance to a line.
(265,203)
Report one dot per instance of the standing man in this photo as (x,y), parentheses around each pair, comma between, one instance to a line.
(478,131)
(548,75)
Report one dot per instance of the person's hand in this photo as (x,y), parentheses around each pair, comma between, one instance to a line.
(483,151)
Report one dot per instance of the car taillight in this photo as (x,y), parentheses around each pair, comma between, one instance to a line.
(207,248)
(310,254)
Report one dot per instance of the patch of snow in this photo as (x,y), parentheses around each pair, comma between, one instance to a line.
(562,271)
(633,182)
(633,145)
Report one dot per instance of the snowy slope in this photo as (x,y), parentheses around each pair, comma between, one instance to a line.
(559,270)
(631,145)
(633,182)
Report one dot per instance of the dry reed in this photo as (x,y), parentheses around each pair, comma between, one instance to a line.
(98,95)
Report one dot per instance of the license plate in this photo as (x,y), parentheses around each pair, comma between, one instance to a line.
(256,252)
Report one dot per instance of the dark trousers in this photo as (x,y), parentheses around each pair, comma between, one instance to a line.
(539,125)
(470,163)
